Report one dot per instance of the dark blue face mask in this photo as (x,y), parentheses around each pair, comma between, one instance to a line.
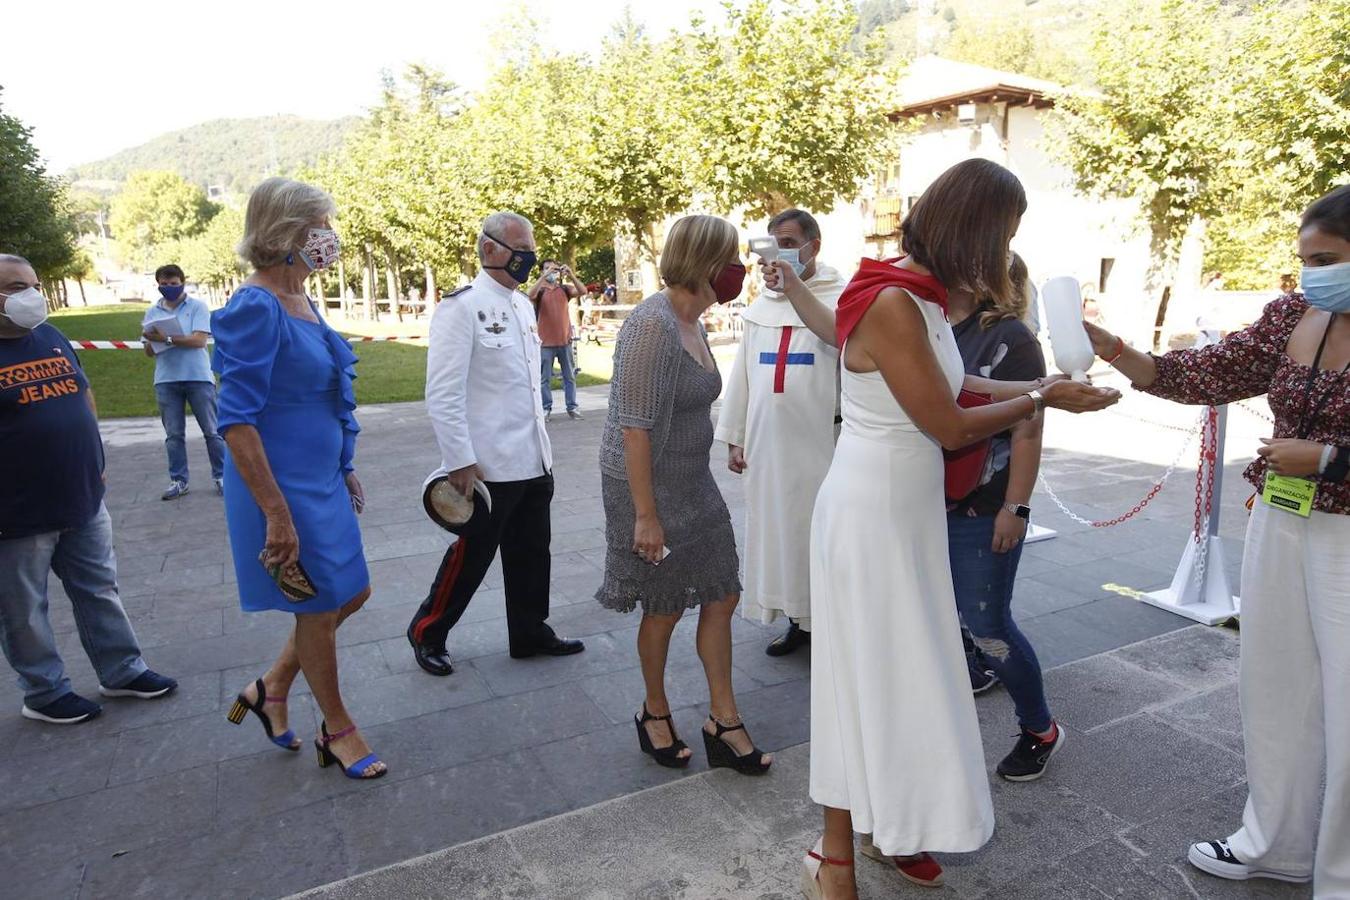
(521,263)
(171,292)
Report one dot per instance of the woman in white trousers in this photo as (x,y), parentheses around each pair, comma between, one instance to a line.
(1295,664)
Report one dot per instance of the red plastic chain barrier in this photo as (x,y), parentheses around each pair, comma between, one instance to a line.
(137,345)
(1200,426)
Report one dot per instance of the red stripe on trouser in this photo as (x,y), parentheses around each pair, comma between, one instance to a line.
(442,591)
(780,367)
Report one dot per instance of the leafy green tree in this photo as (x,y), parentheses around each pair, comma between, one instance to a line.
(597,264)
(641,147)
(401,184)
(785,111)
(155,208)
(1296,102)
(80,268)
(1291,116)
(1158,130)
(874,14)
(34,222)
(209,257)
(1006,40)
(530,143)
(88,211)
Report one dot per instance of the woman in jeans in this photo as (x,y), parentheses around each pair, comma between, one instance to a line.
(1296,564)
(985,529)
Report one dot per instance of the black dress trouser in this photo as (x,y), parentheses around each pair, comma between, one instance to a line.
(519,525)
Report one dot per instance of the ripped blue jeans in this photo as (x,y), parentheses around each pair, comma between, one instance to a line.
(984,581)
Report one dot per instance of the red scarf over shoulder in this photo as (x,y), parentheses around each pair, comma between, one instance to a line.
(871,278)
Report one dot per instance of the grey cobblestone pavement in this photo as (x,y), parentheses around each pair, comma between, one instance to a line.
(1153,762)
(167,799)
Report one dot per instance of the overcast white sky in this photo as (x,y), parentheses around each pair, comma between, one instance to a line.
(92,77)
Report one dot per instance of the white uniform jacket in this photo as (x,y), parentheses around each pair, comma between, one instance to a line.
(483,383)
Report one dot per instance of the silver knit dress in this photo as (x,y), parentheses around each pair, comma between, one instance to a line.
(657,386)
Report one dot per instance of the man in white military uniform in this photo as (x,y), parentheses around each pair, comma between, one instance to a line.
(778,420)
(482,396)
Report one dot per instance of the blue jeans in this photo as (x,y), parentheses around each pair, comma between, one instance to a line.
(201,395)
(983,581)
(563,355)
(82,558)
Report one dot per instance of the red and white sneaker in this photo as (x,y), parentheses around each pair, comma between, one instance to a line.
(922,869)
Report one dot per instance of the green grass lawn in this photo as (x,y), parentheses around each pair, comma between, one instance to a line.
(123,380)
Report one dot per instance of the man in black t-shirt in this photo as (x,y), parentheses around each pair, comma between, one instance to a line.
(52,516)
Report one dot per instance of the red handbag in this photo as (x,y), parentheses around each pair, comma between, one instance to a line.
(963,468)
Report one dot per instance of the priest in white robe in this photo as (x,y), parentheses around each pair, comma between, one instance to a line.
(778,420)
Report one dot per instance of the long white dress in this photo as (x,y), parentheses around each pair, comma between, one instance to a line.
(894,737)
(779,405)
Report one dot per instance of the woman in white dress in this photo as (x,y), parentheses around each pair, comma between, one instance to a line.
(895,744)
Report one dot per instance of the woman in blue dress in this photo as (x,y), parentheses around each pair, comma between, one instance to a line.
(291,495)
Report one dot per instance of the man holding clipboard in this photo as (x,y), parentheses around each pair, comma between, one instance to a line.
(176,329)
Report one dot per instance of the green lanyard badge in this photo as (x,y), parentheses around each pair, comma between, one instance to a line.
(1294,495)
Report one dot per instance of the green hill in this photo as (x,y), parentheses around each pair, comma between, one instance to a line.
(1044,38)
(232,153)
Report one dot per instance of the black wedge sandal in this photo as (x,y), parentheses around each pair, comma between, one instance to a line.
(722,755)
(666,756)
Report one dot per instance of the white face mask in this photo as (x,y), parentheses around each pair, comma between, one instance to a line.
(794,257)
(26,308)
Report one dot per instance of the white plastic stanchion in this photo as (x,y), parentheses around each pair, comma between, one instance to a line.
(1200,588)
(1038,533)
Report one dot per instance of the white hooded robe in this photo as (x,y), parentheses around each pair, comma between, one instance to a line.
(780,402)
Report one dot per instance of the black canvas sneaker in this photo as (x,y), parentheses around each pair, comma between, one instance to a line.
(1215,858)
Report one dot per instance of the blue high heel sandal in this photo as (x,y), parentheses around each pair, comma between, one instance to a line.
(327,757)
(286,740)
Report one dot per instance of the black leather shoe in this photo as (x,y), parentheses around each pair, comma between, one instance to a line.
(432,660)
(789,641)
(550,646)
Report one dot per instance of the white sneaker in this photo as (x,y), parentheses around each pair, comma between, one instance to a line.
(1215,858)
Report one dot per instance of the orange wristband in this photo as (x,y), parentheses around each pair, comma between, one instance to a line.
(1120,349)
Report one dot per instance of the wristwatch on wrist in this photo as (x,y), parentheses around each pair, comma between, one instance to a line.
(1328,451)
(1339,467)
(1039,400)
(1021,510)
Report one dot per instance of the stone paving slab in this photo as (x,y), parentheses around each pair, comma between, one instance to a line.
(1112,818)
(165,799)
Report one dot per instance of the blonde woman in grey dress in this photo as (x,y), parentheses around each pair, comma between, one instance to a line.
(668,534)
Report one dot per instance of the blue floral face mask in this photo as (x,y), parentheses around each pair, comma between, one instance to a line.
(1327,287)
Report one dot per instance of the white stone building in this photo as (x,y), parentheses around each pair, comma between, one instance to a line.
(964,111)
